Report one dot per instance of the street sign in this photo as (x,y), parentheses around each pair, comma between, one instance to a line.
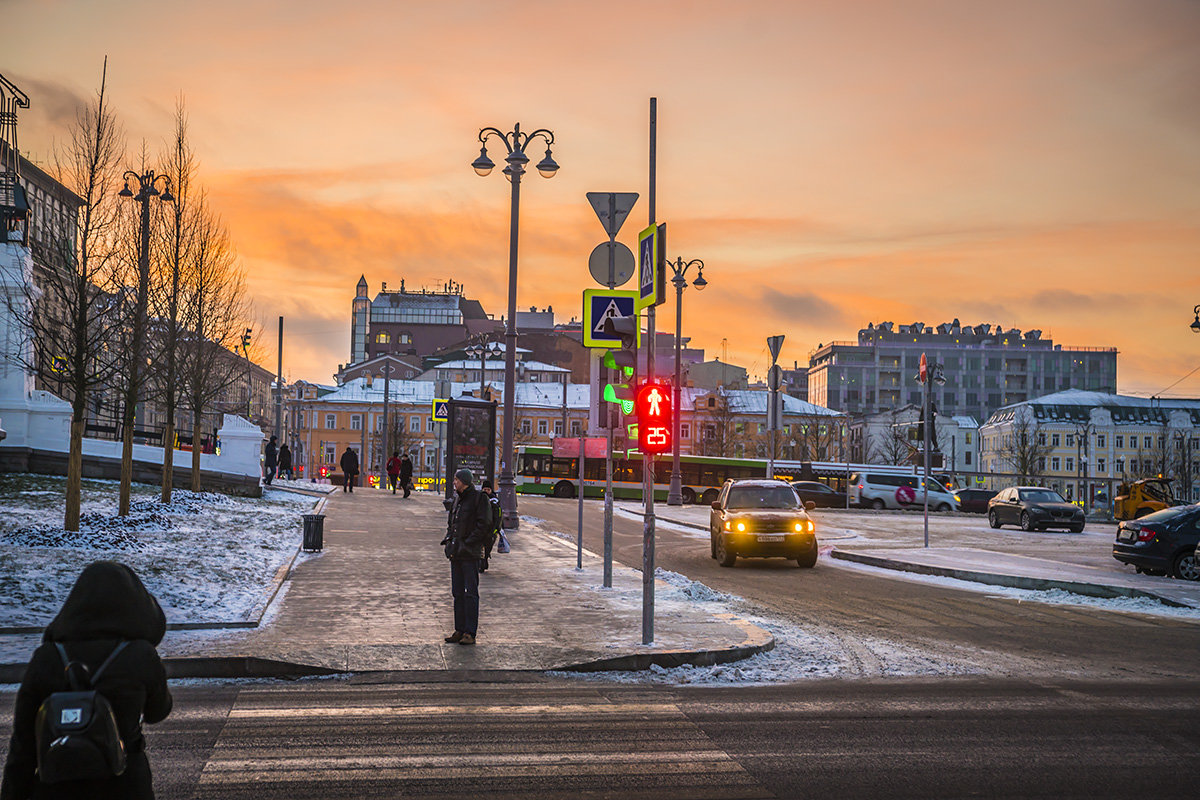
(652,283)
(923,374)
(622,261)
(773,344)
(441,410)
(654,418)
(612,208)
(600,305)
(775,378)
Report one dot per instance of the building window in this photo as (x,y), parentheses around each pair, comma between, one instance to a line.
(1147,442)
(1070,465)
(558,427)
(576,428)
(1054,464)
(1042,439)
(543,428)
(330,421)
(430,455)
(1101,465)
(1119,440)
(428,425)
(1100,440)
(414,424)
(968,441)
(712,402)
(533,377)
(967,458)
(1042,464)
(685,430)
(356,422)
(1070,440)
(1119,464)
(330,454)
(1055,440)
(526,427)
(1147,466)
(383,338)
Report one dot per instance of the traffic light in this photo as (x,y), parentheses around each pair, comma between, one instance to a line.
(246,339)
(621,363)
(654,418)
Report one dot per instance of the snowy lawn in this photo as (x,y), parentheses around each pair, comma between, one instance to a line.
(208,558)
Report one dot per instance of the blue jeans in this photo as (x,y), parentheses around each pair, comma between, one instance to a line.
(464,585)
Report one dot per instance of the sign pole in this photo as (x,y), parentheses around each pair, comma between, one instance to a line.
(579,538)
(924,377)
(648,458)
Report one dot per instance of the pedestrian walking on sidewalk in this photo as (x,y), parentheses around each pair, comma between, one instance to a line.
(349,465)
(285,462)
(468,528)
(108,628)
(406,482)
(393,471)
(494,505)
(272,461)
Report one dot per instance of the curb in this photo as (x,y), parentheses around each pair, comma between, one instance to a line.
(1011,581)
(758,640)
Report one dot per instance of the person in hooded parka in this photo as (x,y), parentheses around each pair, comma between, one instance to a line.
(107,605)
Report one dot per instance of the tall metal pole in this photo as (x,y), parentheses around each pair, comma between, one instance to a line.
(579,538)
(508,484)
(928,443)
(675,492)
(129,412)
(648,458)
(387,378)
(279,388)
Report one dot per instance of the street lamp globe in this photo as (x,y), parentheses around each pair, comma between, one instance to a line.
(1196,322)
(482,165)
(700,283)
(547,167)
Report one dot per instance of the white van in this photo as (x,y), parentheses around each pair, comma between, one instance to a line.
(893,490)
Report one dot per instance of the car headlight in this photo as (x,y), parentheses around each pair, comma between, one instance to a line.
(957,499)
(741,526)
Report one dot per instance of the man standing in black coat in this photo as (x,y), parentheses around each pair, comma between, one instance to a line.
(406,474)
(349,465)
(466,533)
(272,461)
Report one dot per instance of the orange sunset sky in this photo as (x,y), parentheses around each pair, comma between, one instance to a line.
(1031,163)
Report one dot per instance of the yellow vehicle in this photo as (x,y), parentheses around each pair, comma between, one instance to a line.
(1143,497)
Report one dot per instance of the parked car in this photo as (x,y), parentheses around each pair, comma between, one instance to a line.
(819,494)
(974,501)
(1161,543)
(1034,508)
(761,519)
(896,490)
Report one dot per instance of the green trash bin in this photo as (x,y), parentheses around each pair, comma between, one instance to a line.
(314,533)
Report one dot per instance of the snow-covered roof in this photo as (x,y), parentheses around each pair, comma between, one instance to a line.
(1072,405)
(747,401)
(473,363)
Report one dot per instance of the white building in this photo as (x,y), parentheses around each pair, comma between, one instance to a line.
(1085,443)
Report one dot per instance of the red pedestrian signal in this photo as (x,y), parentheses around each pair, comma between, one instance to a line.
(653,406)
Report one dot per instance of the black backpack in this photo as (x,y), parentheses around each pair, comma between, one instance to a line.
(77,735)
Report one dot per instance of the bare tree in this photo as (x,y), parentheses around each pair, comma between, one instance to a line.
(74,327)
(1023,449)
(895,446)
(167,295)
(716,429)
(214,306)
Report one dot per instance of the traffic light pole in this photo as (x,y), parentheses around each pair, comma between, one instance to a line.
(648,458)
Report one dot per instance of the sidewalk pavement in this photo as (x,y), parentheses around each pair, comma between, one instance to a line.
(1070,562)
(377,599)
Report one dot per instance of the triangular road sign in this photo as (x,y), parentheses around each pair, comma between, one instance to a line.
(612,208)
(611,312)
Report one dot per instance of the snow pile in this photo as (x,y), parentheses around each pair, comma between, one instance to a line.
(208,558)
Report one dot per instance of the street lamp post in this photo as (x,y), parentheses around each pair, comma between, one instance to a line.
(387,385)
(679,281)
(483,348)
(1195,326)
(933,375)
(515,143)
(146,189)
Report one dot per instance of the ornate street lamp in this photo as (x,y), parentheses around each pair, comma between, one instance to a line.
(1196,322)
(679,281)
(146,189)
(515,143)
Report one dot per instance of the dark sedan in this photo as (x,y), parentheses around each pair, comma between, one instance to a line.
(1034,508)
(974,501)
(819,494)
(1161,543)
(761,519)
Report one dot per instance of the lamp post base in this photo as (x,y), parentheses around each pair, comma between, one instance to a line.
(675,491)
(508,502)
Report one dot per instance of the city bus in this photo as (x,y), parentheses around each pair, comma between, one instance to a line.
(540,472)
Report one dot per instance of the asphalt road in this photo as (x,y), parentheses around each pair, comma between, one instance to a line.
(870,617)
(546,738)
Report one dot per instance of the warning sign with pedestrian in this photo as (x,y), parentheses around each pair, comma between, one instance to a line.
(600,305)
(441,410)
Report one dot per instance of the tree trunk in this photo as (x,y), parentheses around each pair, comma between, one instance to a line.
(168,460)
(74,476)
(196,425)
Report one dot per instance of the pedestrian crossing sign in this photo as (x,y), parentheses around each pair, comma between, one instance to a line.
(441,410)
(600,305)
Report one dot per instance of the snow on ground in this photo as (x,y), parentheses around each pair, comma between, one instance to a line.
(208,558)
(306,485)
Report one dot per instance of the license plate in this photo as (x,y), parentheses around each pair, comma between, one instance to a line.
(1125,536)
(778,537)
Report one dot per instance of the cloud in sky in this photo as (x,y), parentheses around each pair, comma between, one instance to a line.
(1027,163)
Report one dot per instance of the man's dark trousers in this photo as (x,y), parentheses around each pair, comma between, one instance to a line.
(464,584)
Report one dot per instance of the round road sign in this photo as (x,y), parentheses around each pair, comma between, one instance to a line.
(905,495)
(622,263)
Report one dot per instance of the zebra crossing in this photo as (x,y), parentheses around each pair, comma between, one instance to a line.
(496,741)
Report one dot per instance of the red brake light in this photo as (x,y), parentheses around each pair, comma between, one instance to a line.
(1146,534)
